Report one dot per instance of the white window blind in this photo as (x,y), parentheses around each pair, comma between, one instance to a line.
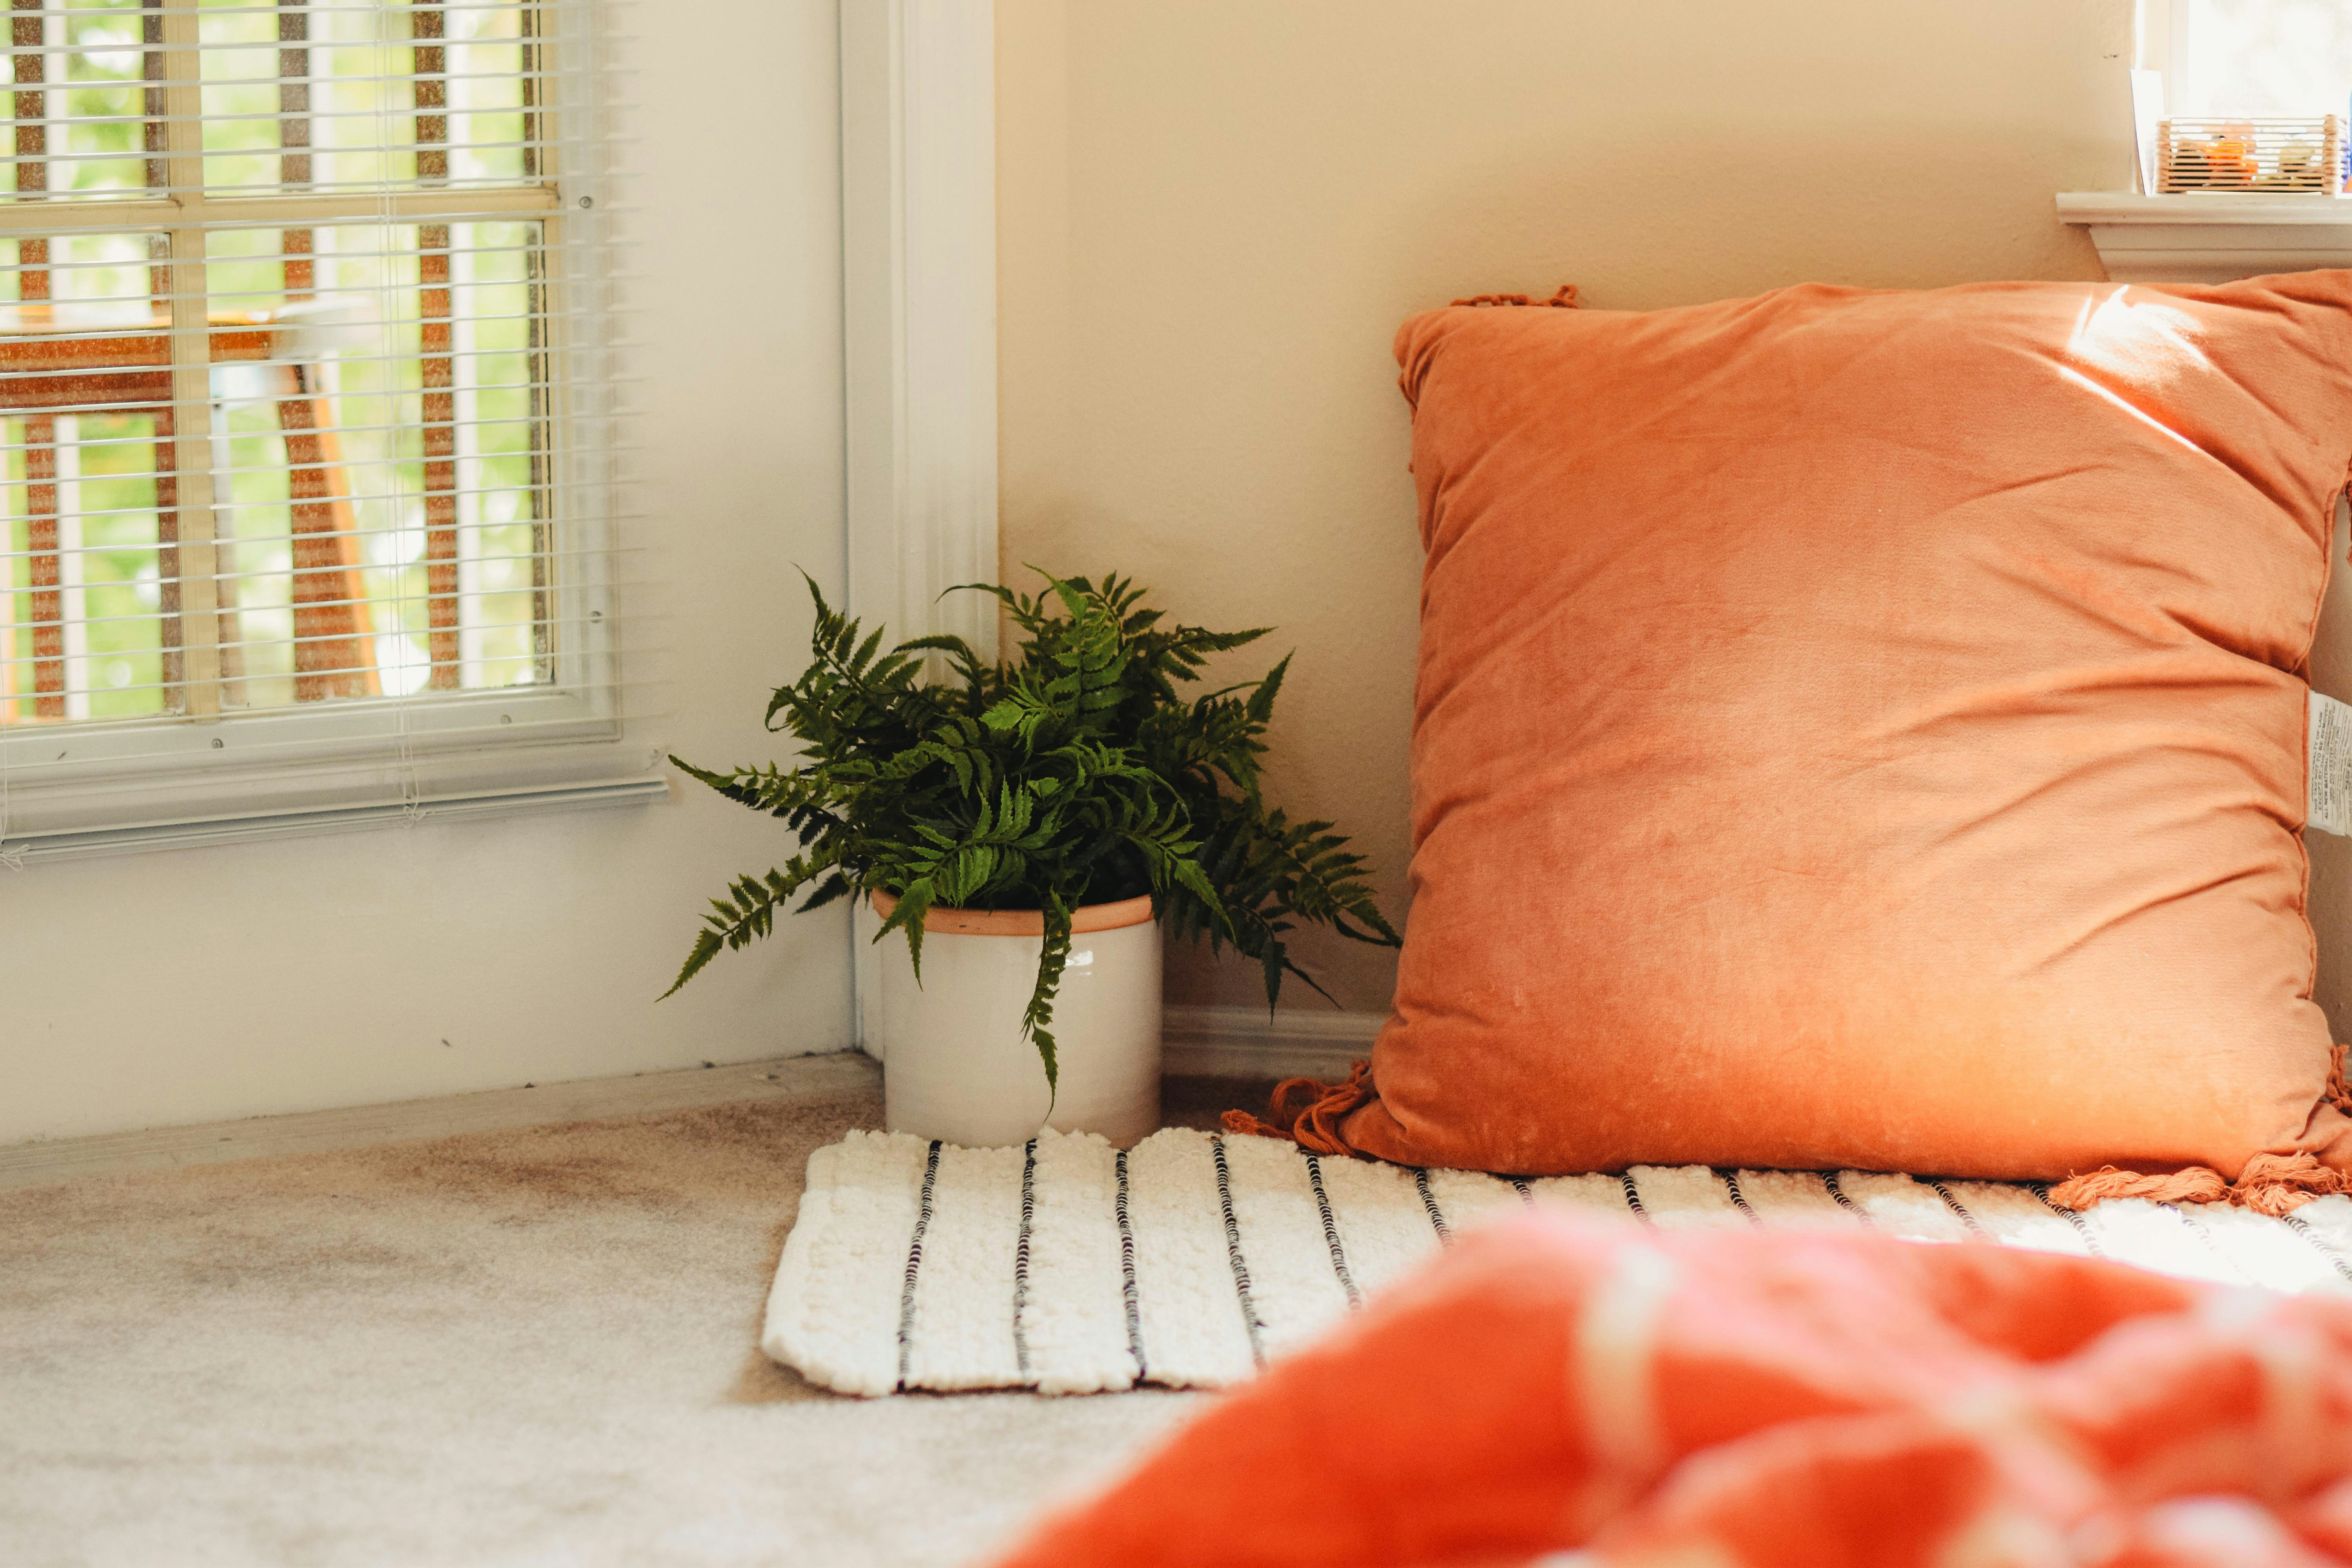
(301,408)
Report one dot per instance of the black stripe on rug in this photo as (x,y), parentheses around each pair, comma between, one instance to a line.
(1739,1199)
(1526,1194)
(1830,1180)
(914,1265)
(2320,1243)
(2041,1190)
(1633,1200)
(1020,1257)
(1429,1206)
(1127,1293)
(1331,1232)
(2204,1236)
(1966,1218)
(1234,1251)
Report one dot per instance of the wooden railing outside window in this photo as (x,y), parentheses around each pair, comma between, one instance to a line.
(274,349)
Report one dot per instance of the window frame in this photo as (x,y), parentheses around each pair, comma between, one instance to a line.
(2162,43)
(120,784)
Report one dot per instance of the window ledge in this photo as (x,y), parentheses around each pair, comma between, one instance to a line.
(179,815)
(2210,239)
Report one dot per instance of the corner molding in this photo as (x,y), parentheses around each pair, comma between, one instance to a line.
(918,310)
(2210,239)
(919,333)
(1248,1042)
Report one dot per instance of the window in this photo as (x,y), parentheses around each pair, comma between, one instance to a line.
(2251,58)
(293,471)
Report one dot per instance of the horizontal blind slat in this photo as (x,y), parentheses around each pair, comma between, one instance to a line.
(416,482)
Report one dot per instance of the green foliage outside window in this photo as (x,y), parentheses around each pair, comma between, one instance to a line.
(362,123)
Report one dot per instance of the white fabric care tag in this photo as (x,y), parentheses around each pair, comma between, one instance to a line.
(2329,808)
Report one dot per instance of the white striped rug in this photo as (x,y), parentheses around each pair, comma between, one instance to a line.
(1189,1261)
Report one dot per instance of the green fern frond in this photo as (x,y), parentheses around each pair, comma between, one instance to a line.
(1051,964)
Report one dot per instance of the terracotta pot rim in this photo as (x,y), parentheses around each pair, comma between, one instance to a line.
(1021,923)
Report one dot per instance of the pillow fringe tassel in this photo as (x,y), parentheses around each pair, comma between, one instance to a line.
(2273,1184)
(1564,301)
(1307,1112)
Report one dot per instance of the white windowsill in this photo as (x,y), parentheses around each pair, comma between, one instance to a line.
(2210,239)
(179,812)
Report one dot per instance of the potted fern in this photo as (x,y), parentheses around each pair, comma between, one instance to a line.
(1030,827)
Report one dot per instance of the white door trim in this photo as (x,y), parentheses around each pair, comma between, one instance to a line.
(918,284)
(919,324)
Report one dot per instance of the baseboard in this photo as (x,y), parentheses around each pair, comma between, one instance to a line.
(1251,1042)
(497,1109)
(1197,1042)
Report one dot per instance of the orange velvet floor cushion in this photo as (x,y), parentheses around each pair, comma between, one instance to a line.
(1867,730)
(1723,1400)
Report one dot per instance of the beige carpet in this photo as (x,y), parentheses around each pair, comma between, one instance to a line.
(532,1347)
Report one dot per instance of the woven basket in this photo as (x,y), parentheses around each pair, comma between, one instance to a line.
(2266,157)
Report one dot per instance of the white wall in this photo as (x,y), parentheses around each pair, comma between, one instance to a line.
(201,985)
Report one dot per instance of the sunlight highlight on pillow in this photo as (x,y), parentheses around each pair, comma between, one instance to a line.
(2079,379)
(2142,338)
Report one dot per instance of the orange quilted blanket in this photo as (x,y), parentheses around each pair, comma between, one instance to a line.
(1715,1399)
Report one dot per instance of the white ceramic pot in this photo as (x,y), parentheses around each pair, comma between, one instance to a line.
(955,1065)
